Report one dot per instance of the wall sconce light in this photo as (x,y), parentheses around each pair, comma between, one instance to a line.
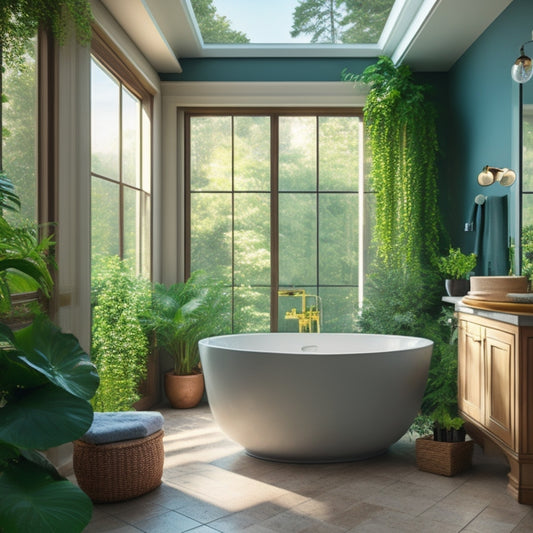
(522,69)
(490,175)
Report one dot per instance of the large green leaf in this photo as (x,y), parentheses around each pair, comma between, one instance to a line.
(32,500)
(59,357)
(44,417)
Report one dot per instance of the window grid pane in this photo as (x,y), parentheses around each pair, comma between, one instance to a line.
(316,247)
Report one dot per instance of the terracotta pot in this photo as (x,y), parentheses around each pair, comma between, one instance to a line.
(457,287)
(184,392)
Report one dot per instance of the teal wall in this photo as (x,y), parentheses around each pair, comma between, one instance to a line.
(483,128)
(266,69)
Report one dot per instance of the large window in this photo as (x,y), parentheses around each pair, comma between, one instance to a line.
(120,167)
(278,201)
(19,133)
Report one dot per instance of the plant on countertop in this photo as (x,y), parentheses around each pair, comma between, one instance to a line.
(120,345)
(456,265)
(184,313)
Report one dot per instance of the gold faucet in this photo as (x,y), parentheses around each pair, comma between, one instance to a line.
(309,317)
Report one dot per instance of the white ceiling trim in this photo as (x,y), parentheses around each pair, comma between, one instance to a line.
(264,94)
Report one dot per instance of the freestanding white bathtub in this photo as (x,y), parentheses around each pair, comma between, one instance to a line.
(315,397)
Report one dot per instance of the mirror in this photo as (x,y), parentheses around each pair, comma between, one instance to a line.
(526,181)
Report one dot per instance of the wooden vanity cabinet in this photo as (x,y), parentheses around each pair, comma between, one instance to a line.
(495,392)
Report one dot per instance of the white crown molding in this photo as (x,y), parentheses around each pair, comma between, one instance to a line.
(263,94)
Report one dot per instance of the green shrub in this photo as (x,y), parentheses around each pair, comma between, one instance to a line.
(120,346)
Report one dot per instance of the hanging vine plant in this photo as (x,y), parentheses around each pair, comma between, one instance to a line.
(403,139)
(20,20)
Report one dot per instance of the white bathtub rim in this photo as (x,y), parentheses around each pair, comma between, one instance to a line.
(405,343)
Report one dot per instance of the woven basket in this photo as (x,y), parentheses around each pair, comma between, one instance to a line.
(444,458)
(119,471)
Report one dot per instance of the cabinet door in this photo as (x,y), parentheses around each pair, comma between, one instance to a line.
(500,383)
(471,370)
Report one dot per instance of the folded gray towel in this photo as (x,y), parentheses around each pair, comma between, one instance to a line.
(127,425)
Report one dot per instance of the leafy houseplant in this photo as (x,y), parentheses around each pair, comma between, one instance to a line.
(46,381)
(181,315)
(447,428)
(455,267)
(120,346)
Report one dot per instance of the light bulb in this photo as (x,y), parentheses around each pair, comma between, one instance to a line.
(522,70)
(485,177)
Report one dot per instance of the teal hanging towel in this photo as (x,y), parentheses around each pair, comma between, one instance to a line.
(490,222)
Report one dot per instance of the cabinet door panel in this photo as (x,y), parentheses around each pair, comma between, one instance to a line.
(499,409)
(470,370)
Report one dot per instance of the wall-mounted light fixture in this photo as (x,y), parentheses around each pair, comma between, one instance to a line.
(490,175)
(522,69)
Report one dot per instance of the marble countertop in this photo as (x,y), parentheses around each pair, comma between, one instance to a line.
(516,319)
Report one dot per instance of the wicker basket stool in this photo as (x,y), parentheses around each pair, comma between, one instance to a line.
(121,456)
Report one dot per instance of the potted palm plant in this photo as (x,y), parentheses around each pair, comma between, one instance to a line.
(181,315)
(455,268)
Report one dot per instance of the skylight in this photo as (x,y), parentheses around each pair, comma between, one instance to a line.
(289,22)
(304,28)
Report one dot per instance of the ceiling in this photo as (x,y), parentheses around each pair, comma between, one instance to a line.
(429,35)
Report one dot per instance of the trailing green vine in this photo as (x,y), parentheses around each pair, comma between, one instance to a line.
(20,20)
(403,291)
(401,125)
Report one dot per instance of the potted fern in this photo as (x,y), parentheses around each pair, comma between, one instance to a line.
(181,315)
(455,267)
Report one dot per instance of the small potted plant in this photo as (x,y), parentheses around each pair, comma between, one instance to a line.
(446,452)
(455,267)
(181,315)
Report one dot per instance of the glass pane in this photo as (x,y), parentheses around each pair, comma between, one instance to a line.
(369,221)
(297,239)
(131,139)
(20,142)
(105,122)
(252,239)
(338,238)
(338,153)
(294,308)
(211,157)
(132,224)
(105,222)
(527,235)
(339,309)
(252,153)
(211,234)
(146,152)
(297,153)
(146,236)
(252,309)
(527,144)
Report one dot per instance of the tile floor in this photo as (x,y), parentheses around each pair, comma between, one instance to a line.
(210,485)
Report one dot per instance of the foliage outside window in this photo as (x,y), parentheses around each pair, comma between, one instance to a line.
(120,170)
(19,132)
(265,215)
(527,187)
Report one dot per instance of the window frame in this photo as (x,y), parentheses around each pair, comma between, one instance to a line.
(274,113)
(103,51)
